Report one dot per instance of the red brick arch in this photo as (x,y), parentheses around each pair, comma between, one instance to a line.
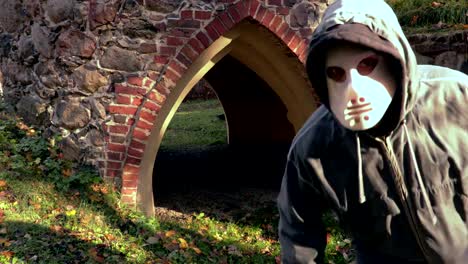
(139,99)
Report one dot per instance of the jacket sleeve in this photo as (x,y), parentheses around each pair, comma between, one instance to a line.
(302,234)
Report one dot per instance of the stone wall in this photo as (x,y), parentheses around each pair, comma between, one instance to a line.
(448,49)
(98,71)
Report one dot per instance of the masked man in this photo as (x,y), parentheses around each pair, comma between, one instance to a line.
(387,150)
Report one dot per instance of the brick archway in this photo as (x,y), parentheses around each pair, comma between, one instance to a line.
(255,34)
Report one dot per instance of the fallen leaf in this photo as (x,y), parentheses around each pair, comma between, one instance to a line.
(197,250)
(3,183)
(7,254)
(170,233)
(436,4)
(110,237)
(70,213)
(93,252)
(67,172)
(182,243)
(4,242)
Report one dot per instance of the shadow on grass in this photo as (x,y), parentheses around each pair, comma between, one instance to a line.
(31,243)
(56,240)
(231,184)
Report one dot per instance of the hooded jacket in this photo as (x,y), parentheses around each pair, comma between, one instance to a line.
(401,190)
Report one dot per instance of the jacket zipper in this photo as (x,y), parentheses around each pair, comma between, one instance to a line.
(402,190)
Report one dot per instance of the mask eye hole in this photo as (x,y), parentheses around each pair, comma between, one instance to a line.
(367,65)
(336,73)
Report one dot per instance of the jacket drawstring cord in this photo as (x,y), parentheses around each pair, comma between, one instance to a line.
(362,195)
(418,174)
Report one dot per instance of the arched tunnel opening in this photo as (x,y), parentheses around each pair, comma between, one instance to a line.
(250,157)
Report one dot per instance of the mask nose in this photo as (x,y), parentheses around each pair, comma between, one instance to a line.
(355,86)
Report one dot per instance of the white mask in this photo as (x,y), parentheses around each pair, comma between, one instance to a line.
(360,86)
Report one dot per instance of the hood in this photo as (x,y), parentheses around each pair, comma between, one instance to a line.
(373,24)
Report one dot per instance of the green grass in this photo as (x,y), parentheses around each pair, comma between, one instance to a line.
(196,123)
(54,212)
(423,15)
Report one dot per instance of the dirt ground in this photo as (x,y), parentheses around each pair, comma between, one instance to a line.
(226,184)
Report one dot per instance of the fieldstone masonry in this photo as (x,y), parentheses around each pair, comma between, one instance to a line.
(99,71)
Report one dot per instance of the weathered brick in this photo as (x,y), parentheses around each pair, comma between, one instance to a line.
(242,8)
(196,45)
(128,199)
(136,100)
(114,156)
(129,177)
(157,97)
(282,11)
(227,20)
(302,46)
(294,43)
(174,41)
(120,119)
(185,23)
(188,52)
(144,125)
(148,116)
(268,18)
(282,29)
(148,48)
(186,14)
(123,99)
(129,184)
(288,36)
(212,33)
(236,17)
(116,147)
(171,75)
(119,129)
(177,67)
(254,4)
(184,60)
(128,191)
(203,38)
(114,165)
(148,83)
(130,169)
(137,145)
(167,51)
(162,89)
(275,23)
(135,152)
(120,89)
(275,2)
(202,15)
(135,161)
(140,134)
(134,80)
(129,110)
(218,25)
(161,59)
(117,139)
(151,106)
(260,13)
(113,173)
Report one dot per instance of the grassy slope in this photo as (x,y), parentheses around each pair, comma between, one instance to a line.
(419,16)
(51,212)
